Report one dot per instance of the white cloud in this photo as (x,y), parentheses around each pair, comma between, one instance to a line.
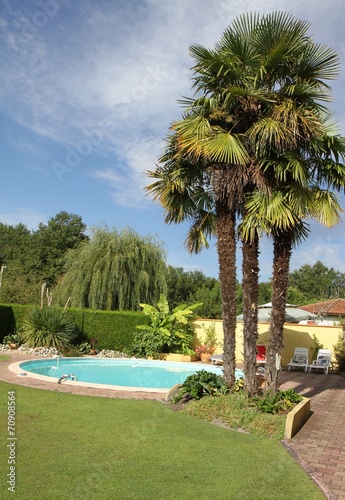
(22,215)
(121,63)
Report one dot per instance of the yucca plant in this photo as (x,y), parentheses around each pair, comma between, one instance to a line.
(48,327)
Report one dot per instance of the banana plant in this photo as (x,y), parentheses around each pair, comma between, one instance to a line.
(167,330)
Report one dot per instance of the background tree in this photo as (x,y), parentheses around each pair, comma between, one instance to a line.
(318,282)
(115,270)
(193,286)
(50,242)
(18,284)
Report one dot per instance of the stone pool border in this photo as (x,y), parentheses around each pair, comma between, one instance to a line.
(21,372)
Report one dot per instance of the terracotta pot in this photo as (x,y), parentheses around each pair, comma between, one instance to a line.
(93,352)
(13,346)
(205,358)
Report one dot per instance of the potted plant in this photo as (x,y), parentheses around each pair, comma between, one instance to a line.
(208,347)
(205,352)
(93,342)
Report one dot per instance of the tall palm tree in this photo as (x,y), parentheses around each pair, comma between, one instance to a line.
(258,96)
(282,216)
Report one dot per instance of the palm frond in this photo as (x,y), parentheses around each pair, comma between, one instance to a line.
(223,147)
(319,62)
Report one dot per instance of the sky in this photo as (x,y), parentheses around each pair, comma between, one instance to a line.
(88,92)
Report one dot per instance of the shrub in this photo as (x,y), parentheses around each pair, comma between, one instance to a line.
(13,338)
(167,331)
(339,354)
(202,383)
(318,346)
(281,402)
(48,327)
(114,330)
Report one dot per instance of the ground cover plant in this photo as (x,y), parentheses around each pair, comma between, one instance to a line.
(77,447)
(210,399)
(237,412)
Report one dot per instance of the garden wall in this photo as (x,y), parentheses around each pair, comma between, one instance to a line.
(294,336)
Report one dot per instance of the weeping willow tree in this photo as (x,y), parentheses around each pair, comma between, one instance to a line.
(115,270)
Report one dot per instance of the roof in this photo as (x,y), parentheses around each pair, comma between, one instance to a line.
(335,307)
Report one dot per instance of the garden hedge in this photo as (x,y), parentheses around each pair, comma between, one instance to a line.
(113,329)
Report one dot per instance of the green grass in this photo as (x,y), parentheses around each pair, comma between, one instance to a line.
(4,357)
(80,447)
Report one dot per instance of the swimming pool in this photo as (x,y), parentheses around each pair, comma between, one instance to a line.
(126,374)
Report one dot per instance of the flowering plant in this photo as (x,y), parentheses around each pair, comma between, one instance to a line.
(210,341)
(204,349)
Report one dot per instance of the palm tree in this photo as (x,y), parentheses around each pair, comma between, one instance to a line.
(193,190)
(258,97)
(282,217)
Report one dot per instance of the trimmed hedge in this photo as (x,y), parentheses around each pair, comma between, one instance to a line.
(11,317)
(113,329)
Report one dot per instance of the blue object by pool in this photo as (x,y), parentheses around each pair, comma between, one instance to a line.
(133,373)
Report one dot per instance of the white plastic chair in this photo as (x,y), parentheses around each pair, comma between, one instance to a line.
(300,359)
(323,361)
(217,359)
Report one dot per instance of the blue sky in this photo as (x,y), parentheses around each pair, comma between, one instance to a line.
(88,91)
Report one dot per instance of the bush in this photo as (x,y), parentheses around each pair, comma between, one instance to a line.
(281,402)
(339,354)
(114,329)
(48,327)
(13,338)
(167,331)
(238,412)
(11,319)
(202,383)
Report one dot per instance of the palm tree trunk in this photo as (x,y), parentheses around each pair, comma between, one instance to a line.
(226,247)
(282,246)
(250,287)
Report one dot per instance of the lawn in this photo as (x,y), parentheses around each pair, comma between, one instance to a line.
(80,447)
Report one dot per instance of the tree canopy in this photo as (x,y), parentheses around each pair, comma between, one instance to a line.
(254,143)
(115,270)
(33,257)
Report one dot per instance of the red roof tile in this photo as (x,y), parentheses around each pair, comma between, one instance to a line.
(335,307)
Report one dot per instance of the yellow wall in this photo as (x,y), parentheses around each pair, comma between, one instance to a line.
(294,336)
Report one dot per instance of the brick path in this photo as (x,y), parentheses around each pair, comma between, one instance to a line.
(319,446)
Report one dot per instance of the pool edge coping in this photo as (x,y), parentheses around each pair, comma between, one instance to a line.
(15,368)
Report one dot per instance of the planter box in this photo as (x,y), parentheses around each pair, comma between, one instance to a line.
(296,418)
(178,357)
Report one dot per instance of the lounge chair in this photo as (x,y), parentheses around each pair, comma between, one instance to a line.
(217,359)
(323,361)
(300,359)
(261,355)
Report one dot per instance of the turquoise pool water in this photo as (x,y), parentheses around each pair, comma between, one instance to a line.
(119,372)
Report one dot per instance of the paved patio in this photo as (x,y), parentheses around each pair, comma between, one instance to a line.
(319,446)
